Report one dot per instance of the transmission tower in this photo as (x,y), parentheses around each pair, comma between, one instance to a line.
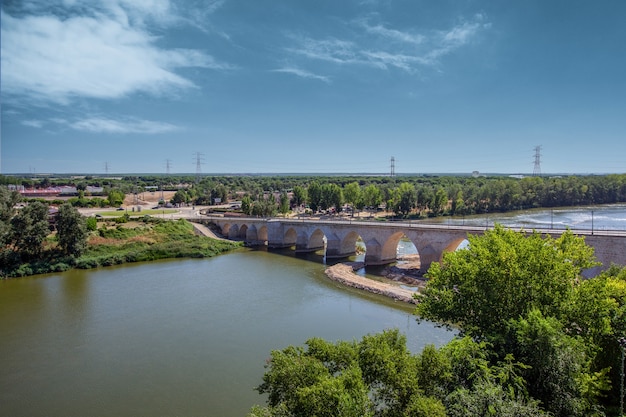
(106,168)
(168,165)
(537,168)
(393,167)
(199,160)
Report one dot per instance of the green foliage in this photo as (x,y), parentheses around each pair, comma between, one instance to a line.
(8,201)
(299,196)
(155,239)
(115,197)
(28,230)
(315,195)
(556,364)
(535,336)
(504,274)
(71,230)
(283,205)
(92,224)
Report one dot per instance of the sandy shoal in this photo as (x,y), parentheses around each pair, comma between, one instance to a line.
(345,275)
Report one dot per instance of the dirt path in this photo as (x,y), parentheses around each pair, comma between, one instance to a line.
(345,274)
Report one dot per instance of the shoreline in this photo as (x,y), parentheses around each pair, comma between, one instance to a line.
(344,274)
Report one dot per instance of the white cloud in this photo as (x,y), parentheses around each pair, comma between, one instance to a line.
(33,123)
(393,34)
(104,52)
(302,73)
(382,47)
(105,125)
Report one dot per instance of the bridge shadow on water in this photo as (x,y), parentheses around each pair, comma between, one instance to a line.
(320,258)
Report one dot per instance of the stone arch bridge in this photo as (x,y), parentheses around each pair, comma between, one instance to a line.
(338,238)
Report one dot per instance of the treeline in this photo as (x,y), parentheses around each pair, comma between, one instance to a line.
(404,195)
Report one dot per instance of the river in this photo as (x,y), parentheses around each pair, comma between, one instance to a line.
(190,337)
(183,337)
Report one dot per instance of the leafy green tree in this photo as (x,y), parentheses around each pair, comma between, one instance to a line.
(92,224)
(219,193)
(332,197)
(372,196)
(352,193)
(374,377)
(71,230)
(405,199)
(246,204)
(487,398)
(424,196)
(597,313)
(264,207)
(28,229)
(180,197)
(8,201)
(299,196)
(439,202)
(115,197)
(504,274)
(283,205)
(314,192)
(458,204)
(557,365)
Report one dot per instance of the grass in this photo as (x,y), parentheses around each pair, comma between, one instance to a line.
(114,244)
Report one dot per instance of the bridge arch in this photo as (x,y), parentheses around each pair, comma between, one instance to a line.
(290,238)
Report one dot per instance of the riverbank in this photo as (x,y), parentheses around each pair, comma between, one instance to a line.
(114,244)
(344,274)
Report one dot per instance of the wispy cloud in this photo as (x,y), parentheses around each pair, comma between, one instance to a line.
(33,123)
(107,125)
(303,74)
(101,124)
(392,34)
(383,47)
(85,49)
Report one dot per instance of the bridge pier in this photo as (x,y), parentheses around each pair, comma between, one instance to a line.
(336,249)
(375,255)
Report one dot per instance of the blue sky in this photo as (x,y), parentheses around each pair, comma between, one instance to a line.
(325,86)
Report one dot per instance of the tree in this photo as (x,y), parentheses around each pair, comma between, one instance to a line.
(299,196)
(332,197)
(557,367)
(115,197)
(180,197)
(372,196)
(315,195)
(373,377)
(405,199)
(28,229)
(352,193)
(246,204)
(504,274)
(8,201)
(439,202)
(71,230)
(283,205)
